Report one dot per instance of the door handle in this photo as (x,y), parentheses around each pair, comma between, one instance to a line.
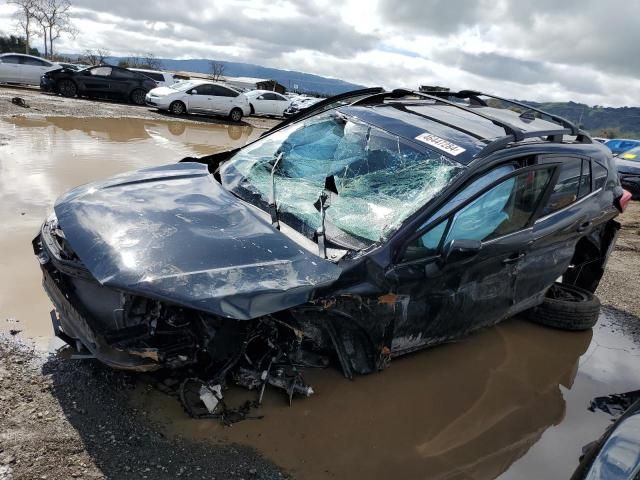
(583,227)
(515,259)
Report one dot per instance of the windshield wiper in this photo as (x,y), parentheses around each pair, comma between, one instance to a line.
(273,206)
(324,202)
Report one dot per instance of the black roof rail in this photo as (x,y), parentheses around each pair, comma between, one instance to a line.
(509,129)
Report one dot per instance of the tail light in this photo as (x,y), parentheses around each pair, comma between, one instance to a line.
(622,202)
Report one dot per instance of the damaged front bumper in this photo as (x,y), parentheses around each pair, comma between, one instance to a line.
(143,335)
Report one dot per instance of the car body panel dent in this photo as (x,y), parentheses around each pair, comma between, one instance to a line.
(154,232)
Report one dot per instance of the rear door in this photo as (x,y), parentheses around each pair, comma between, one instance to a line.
(32,69)
(121,82)
(10,69)
(223,99)
(565,216)
(448,296)
(280,104)
(201,99)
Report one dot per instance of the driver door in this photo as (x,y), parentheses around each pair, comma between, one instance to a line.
(96,80)
(449,290)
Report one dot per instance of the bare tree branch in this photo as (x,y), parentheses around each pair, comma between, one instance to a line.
(217,71)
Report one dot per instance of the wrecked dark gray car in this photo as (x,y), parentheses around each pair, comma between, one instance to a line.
(350,236)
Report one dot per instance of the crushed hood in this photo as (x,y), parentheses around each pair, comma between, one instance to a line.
(174,234)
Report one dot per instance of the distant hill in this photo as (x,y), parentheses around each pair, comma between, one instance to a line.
(306,82)
(599,121)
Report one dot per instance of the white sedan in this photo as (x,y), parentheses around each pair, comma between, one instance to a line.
(26,69)
(265,102)
(200,96)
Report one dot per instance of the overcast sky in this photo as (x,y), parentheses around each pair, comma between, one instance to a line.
(582,50)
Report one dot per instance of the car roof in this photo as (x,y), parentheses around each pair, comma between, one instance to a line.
(623,140)
(148,70)
(409,120)
(465,125)
(260,92)
(24,55)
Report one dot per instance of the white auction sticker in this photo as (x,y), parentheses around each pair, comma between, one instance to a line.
(440,143)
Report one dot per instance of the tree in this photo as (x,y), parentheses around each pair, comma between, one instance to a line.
(25,18)
(147,61)
(54,19)
(95,56)
(217,70)
(13,43)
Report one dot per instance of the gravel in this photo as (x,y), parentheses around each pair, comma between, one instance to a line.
(62,419)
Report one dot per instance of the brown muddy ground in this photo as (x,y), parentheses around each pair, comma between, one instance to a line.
(508,402)
(47,104)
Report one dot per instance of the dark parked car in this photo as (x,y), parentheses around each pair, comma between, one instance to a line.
(354,235)
(103,81)
(615,455)
(621,145)
(628,164)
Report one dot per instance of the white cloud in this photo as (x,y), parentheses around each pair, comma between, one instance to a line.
(545,50)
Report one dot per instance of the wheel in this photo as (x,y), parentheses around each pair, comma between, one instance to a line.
(566,307)
(67,88)
(137,96)
(177,108)
(235,115)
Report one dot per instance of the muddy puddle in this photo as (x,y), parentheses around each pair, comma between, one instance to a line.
(42,158)
(509,402)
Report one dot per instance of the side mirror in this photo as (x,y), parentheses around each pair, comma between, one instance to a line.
(193,92)
(457,250)
(261,97)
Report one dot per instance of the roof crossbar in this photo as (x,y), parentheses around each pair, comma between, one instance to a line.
(556,118)
(399,93)
(502,142)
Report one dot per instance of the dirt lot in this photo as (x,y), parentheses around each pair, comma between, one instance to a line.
(526,387)
(41,104)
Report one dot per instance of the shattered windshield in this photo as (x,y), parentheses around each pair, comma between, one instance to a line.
(380,178)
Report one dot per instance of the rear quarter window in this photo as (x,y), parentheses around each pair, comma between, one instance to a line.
(600,174)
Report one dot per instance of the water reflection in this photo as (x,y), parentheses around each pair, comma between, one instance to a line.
(467,410)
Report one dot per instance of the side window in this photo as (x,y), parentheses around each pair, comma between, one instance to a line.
(504,209)
(222,91)
(204,89)
(280,98)
(566,189)
(122,74)
(34,62)
(101,71)
(599,175)
(11,59)
(585,179)
(270,96)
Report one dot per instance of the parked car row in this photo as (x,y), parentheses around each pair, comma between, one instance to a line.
(144,86)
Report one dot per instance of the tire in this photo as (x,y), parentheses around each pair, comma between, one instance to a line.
(235,115)
(67,88)
(566,307)
(177,108)
(137,96)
